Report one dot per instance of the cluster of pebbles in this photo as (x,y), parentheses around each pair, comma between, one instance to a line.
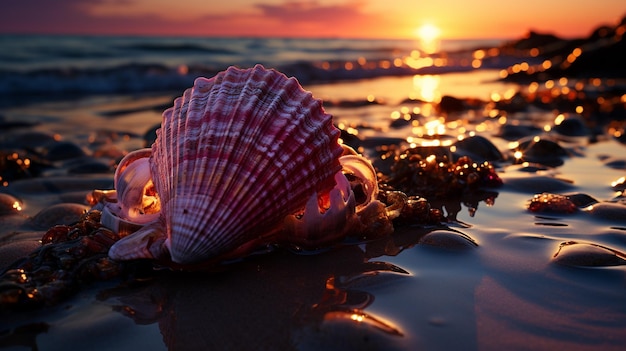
(45,185)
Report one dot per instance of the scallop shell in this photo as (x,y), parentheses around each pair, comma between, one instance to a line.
(235,155)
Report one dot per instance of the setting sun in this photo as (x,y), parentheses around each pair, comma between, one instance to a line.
(428,35)
(428,32)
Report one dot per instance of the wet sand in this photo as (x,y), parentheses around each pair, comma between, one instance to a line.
(490,279)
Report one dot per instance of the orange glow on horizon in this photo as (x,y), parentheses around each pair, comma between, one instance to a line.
(478,19)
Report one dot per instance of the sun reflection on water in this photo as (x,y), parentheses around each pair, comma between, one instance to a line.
(427,87)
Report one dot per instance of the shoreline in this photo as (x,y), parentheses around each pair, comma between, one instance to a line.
(539,260)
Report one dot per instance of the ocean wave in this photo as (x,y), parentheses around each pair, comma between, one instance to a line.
(135,78)
(177,48)
(60,65)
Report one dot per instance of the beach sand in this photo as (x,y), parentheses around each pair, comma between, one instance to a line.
(489,280)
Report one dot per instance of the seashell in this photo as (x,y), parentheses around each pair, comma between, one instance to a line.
(350,207)
(234,156)
(315,227)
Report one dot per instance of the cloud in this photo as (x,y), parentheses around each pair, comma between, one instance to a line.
(36,16)
(311,18)
(70,17)
(289,18)
(32,11)
(312,11)
(295,18)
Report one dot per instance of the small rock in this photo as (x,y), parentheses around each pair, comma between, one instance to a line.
(9,204)
(587,255)
(65,213)
(63,151)
(446,239)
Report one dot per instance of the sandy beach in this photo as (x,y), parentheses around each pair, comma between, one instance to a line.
(494,276)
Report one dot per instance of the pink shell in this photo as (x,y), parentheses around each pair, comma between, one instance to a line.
(234,156)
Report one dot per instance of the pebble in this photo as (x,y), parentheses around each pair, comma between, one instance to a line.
(9,204)
(615,163)
(587,255)
(478,148)
(611,211)
(450,105)
(15,250)
(619,184)
(448,239)
(551,203)
(582,200)
(29,139)
(512,132)
(63,151)
(542,150)
(86,165)
(570,127)
(60,185)
(64,213)
(537,184)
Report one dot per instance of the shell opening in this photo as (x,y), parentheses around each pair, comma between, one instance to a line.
(362,176)
(318,225)
(136,194)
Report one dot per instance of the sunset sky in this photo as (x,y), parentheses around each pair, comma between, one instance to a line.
(309,18)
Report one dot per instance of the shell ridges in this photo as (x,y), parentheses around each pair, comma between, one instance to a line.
(236,154)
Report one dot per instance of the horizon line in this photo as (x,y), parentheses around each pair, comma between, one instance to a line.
(252,36)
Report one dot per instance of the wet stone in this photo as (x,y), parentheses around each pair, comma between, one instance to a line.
(615,163)
(6,126)
(399,123)
(14,250)
(450,240)
(450,105)
(611,211)
(581,200)
(478,148)
(86,165)
(63,151)
(29,139)
(64,213)
(9,204)
(587,255)
(543,151)
(619,184)
(60,185)
(19,164)
(512,132)
(570,126)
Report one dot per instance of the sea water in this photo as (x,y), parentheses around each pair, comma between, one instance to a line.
(392,293)
(54,64)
